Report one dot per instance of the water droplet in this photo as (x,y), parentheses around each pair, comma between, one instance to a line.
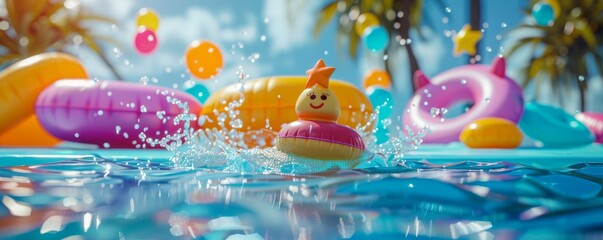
(109,93)
(487,99)
(434,112)
(100,112)
(143,109)
(168,69)
(136,126)
(106,145)
(160,114)
(448,10)
(144,80)
(4,25)
(77,135)
(325,52)
(117,129)
(266,20)
(263,38)
(126,136)
(463,81)
(23,41)
(77,39)
(503,25)
(443,87)
(580,78)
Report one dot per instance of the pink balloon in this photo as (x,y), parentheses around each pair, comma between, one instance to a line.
(145,41)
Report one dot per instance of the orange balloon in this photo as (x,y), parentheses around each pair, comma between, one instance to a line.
(377,77)
(28,133)
(203,59)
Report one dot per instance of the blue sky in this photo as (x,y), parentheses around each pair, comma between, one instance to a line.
(280,31)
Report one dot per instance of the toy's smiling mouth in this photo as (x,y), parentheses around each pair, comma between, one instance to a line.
(317,107)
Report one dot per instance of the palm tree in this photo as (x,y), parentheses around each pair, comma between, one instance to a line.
(560,52)
(475,20)
(397,16)
(36,26)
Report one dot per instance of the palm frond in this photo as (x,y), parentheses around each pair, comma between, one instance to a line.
(324,17)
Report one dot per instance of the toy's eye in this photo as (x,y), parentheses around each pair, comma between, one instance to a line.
(313,97)
(323,97)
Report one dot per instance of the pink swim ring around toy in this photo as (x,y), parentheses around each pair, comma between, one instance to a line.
(492,93)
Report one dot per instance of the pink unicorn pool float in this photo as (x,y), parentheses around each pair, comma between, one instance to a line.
(492,93)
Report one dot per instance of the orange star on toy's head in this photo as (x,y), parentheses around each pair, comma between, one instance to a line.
(320,75)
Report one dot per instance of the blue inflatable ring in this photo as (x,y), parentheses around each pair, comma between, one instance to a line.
(553,126)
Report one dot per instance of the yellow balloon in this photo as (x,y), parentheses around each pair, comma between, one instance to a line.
(555,5)
(364,21)
(147,18)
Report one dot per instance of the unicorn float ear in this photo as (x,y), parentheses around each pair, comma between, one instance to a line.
(420,80)
(499,67)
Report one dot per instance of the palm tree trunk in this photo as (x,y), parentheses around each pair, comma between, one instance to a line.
(388,68)
(582,91)
(404,6)
(476,18)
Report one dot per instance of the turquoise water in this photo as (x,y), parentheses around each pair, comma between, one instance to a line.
(437,192)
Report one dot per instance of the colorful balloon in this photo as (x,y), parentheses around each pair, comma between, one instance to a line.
(381,99)
(364,21)
(203,59)
(375,38)
(543,13)
(377,78)
(147,18)
(199,91)
(145,41)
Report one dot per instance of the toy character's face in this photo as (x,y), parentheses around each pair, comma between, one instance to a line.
(317,103)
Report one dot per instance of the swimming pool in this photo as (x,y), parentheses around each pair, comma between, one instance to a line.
(439,191)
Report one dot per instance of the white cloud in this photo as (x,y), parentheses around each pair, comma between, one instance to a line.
(290,22)
(118,9)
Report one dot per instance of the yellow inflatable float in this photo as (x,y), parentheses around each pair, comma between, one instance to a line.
(491,133)
(270,103)
(20,85)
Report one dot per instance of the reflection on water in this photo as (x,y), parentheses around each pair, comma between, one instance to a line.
(96,198)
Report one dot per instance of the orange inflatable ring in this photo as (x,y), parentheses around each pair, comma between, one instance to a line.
(270,103)
(20,85)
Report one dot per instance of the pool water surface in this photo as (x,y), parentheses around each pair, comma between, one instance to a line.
(437,192)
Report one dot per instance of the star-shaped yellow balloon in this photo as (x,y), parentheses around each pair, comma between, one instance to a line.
(465,40)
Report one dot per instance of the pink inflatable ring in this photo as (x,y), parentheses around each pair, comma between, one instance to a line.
(492,93)
(594,122)
(110,113)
